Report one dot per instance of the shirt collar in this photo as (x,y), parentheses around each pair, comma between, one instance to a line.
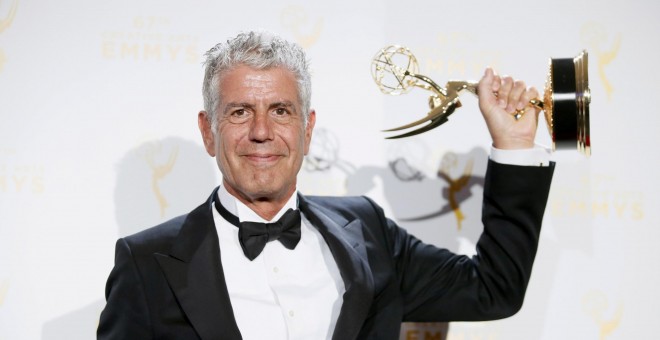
(244,213)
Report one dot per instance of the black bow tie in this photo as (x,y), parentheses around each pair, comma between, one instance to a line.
(253,236)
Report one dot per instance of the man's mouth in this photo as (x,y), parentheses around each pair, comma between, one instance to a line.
(262,158)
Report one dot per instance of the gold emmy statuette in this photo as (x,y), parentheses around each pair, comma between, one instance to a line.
(565,101)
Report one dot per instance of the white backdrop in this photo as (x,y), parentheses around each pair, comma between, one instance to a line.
(98,139)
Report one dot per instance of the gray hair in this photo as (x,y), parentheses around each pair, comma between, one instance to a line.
(260,50)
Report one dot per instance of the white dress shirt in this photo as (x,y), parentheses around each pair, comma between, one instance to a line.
(282,293)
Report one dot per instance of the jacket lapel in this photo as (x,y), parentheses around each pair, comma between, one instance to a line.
(346,242)
(194,272)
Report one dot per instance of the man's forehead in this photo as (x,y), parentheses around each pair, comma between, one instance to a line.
(245,84)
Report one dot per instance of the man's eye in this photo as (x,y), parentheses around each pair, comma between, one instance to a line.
(239,116)
(281,115)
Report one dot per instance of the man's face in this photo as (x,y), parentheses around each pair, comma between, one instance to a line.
(261,138)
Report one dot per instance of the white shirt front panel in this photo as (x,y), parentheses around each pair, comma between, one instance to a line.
(282,293)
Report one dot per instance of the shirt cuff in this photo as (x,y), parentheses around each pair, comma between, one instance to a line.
(536,156)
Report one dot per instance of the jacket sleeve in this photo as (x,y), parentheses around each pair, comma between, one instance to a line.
(125,315)
(438,285)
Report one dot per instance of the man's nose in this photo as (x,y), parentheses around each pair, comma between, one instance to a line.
(261,128)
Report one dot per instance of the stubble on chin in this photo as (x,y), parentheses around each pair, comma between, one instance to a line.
(256,183)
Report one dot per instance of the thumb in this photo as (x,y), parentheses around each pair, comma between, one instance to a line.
(488,86)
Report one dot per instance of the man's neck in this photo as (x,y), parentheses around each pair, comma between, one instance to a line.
(266,207)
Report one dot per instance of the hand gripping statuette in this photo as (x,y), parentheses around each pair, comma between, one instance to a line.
(565,101)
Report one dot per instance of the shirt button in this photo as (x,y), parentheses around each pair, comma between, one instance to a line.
(291,313)
(276,270)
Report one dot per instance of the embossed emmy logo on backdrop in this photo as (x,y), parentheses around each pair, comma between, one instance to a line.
(4,24)
(565,101)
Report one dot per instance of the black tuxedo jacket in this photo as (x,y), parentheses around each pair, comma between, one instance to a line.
(168,281)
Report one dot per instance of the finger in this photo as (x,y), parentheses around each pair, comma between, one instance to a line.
(515,101)
(531,93)
(486,81)
(486,84)
(531,112)
(505,90)
(497,82)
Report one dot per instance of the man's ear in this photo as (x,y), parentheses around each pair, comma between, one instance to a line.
(311,120)
(204,123)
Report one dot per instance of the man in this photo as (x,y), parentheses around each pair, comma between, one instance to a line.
(348,272)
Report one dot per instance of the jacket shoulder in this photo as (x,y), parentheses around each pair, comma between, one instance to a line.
(349,207)
(158,238)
